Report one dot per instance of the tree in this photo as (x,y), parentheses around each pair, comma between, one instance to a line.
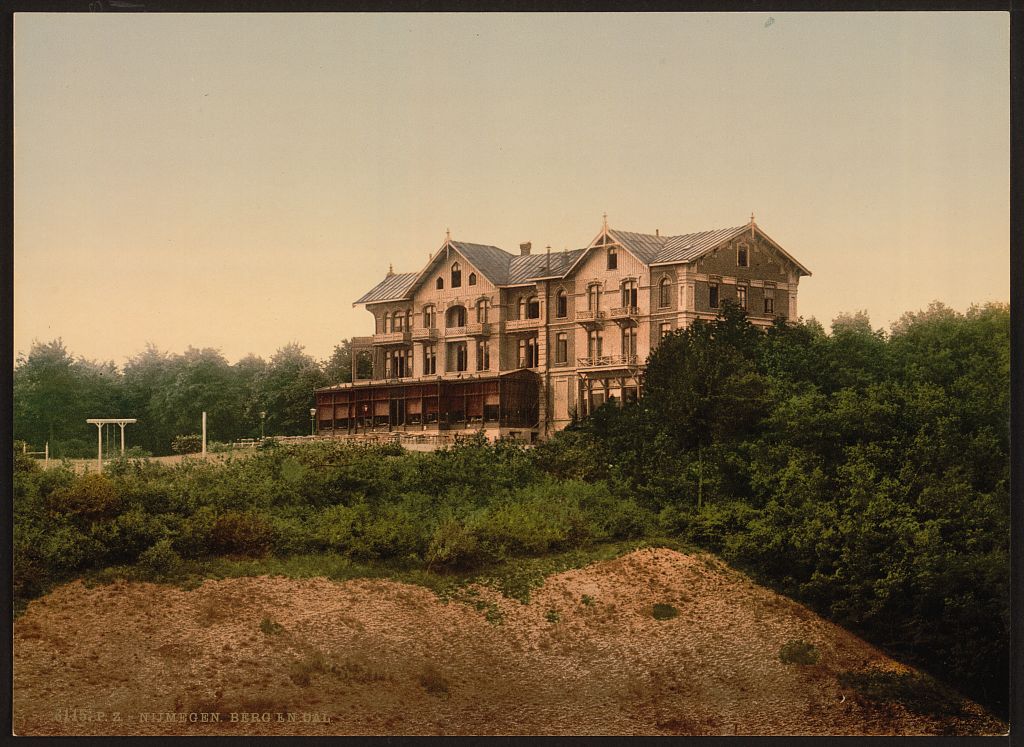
(285,390)
(338,368)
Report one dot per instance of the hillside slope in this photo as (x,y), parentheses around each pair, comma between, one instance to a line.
(585,656)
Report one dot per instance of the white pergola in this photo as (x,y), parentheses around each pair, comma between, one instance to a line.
(99,423)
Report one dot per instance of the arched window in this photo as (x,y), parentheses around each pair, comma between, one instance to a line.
(440,283)
(456,275)
(532,308)
(665,293)
(428,316)
(397,321)
(522,307)
(472,278)
(483,307)
(456,317)
(629,293)
(561,304)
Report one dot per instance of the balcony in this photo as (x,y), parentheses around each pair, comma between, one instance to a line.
(624,312)
(589,316)
(428,334)
(606,361)
(482,329)
(518,325)
(392,338)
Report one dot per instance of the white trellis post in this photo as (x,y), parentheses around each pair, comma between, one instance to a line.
(99,423)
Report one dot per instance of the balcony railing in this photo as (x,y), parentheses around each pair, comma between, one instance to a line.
(598,361)
(480,329)
(424,333)
(589,315)
(624,312)
(390,338)
(514,325)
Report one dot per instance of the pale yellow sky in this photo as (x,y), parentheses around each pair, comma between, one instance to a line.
(236,181)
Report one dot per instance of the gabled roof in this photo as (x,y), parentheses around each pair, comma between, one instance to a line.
(530,267)
(391,288)
(490,260)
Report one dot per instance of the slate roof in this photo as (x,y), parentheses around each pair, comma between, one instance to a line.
(503,269)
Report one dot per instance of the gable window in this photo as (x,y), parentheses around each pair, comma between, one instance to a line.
(428,316)
(482,310)
(594,297)
(665,293)
(472,278)
(769,300)
(713,295)
(613,259)
(456,317)
(741,296)
(429,360)
(561,347)
(483,355)
(561,305)
(629,293)
(456,275)
(440,283)
(742,257)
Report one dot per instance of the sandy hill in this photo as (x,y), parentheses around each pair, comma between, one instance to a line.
(585,656)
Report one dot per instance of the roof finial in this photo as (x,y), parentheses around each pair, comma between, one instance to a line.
(391,269)
(605,222)
(447,234)
(751,216)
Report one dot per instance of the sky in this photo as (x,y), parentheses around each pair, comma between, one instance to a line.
(236,181)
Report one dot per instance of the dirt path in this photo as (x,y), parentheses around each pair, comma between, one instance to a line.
(379,657)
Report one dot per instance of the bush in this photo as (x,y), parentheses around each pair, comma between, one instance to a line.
(160,560)
(87,498)
(242,533)
(664,612)
(798,652)
(453,545)
(190,444)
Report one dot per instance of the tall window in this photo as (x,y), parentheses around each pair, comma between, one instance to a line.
(398,364)
(742,256)
(713,295)
(629,341)
(741,296)
(665,293)
(594,342)
(472,278)
(428,316)
(769,300)
(440,283)
(561,347)
(397,321)
(629,293)
(528,352)
(456,317)
(532,308)
(483,355)
(483,307)
(429,360)
(456,275)
(561,304)
(666,329)
(594,297)
(461,356)
(613,259)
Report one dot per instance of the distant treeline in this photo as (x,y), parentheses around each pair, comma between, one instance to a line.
(54,393)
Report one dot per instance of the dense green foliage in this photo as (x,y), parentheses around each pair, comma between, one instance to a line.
(54,393)
(864,474)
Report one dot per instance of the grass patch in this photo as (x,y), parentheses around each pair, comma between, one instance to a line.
(269,627)
(918,693)
(664,612)
(552,616)
(798,651)
(587,600)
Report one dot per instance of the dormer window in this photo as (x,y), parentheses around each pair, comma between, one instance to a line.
(472,278)
(742,256)
(613,259)
(456,275)
(440,283)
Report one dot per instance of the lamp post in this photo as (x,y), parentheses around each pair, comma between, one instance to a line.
(312,421)
(263,420)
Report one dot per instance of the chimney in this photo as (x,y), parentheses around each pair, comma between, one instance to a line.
(391,271)
(657,232)
(524,249)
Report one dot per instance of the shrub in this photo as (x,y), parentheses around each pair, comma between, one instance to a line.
(664,611)
(242,533)
(916,692)
(798,652)
(190,444)
(453,545)
(160,560)
(86,499)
